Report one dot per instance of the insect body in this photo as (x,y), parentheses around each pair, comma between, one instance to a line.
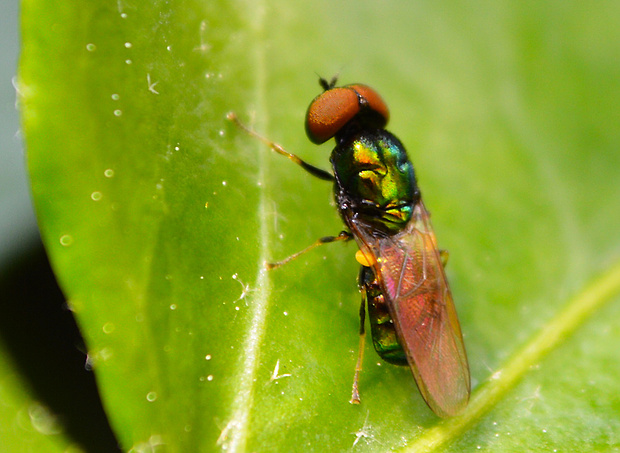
(402,280)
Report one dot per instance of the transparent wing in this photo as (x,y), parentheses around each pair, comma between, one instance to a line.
(409,269)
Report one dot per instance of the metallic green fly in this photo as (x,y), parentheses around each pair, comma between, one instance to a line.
(402,280)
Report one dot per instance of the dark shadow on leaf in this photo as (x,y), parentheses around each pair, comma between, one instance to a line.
(43,340)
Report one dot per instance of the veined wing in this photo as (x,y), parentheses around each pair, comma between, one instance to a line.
(408,266)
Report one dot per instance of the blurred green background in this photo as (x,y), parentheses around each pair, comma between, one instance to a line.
(17,224)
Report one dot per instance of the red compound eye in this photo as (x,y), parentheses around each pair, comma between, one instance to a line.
(333,109)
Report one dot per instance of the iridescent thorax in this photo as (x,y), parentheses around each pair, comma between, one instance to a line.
(375,178)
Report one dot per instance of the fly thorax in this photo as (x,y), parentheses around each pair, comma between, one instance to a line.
(376,178)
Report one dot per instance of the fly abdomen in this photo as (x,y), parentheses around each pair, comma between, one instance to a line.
(384,336)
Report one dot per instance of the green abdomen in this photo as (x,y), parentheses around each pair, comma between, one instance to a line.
(384,336)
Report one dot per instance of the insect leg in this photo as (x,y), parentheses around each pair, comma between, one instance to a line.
(315,171)
(343,236)
(444,255)
(355,394)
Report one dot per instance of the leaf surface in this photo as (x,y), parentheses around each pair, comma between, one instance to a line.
(158,214)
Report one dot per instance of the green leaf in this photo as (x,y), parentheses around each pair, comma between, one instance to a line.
(158,214)
(27,425)
(48,401)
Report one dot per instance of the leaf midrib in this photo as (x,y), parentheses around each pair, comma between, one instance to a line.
(236,433)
